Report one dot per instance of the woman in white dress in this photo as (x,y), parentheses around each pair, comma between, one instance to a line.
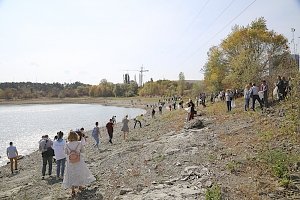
(77,174)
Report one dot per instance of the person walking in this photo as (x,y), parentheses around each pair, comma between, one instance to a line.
(247,97)
(125,127)
(83,137)
(265,88)
(45,146)
(77,174)
(110,129)
(280,86)
(153,113)
(12,155)
(96,134)
(60,156)
(138,119)
(228,99)
(254,90)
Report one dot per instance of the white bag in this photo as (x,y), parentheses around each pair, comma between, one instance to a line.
(232,104)
(275,93)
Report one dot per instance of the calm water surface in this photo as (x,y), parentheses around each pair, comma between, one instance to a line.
(25,124)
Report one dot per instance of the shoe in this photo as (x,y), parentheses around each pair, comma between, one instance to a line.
(43,177)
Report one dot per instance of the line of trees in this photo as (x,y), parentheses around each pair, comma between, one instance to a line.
(28,90)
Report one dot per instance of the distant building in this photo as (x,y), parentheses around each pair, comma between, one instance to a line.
(126,78)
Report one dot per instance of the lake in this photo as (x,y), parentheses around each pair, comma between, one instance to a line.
(24,125)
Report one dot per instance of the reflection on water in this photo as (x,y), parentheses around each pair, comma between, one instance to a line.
(25,124)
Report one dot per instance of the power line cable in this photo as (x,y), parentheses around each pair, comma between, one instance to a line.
(200,36)
(196,51)
(194,19)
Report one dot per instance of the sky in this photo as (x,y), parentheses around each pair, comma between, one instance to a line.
(89,40)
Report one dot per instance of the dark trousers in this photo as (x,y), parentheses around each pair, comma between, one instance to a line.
(60,167)
(266,100)
(45,161)
(254,98)
(110,135)
(228,105)
(137,121)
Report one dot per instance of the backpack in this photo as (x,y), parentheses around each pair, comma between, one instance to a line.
(74,156)
(49,151)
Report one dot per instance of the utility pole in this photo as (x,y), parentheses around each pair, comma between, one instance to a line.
(293,40)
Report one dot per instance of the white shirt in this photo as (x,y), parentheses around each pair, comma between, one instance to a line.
(83,141)
(59,149)
(11,152)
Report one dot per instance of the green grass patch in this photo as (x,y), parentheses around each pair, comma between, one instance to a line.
(279,163)
(231,166)
(266,136)
(213,193)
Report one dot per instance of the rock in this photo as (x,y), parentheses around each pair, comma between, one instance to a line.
(125,190)
(171,151)
(184,178)
(280,189)
(177,164)
(191,169)
(169,183)
(139,187)
(194,124)
(208,184)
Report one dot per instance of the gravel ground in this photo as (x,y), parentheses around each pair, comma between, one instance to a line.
(165,159)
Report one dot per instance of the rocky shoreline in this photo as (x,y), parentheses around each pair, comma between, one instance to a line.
(165,159)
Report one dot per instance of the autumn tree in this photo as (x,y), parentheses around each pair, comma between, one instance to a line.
(244,56)
(215,70)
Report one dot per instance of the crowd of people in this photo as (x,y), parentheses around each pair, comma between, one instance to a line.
(68,153)
(253,93)
(73,173)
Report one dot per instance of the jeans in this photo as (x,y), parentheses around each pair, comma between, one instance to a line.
(247,102)
(45,161)
(97,140)
(60,167)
